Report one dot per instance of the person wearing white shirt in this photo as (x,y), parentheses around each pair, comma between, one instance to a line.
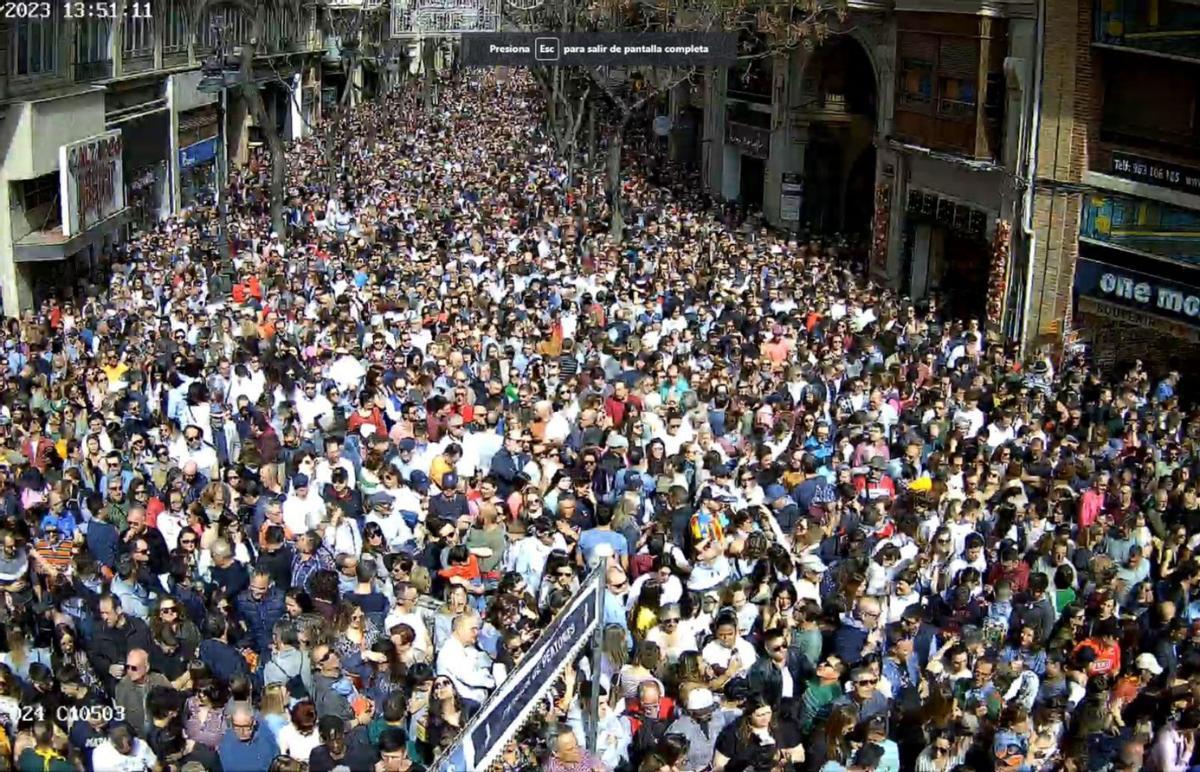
(310,404)
(464,663)
(384,513)
(675,435)
(710,569)
(323,471)
(303,509)
(672,588)
(341,534)
(346,371)
(557,429)
(528,556)
(1000,431)
(406,499)
(726,644)
(970,416)
(122,752)
(972,558)
(171,524)
(405,613)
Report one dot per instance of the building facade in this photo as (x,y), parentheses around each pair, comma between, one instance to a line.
(105,115)
(1116,218)
(906,126)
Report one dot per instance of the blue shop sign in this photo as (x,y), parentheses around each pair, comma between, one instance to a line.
(200,153)
(1138,291)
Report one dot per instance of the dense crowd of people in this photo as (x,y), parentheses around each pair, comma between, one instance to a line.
(305,505)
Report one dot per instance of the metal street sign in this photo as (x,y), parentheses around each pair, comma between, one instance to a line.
(506,710)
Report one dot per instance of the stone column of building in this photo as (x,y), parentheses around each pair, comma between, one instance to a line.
(713,145)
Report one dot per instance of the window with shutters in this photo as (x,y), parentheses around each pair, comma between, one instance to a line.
(938,73)
(958,71)
(918,61)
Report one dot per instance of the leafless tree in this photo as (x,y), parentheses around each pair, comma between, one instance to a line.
(255,14)
(572,92)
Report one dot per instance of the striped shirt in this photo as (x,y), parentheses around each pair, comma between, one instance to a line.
(56,555)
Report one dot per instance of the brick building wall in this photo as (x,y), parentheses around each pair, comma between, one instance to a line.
(1069,121)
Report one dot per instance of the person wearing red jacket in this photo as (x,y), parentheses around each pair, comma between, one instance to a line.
(1104,644)
(649,713)
(1010,568)
(875,483)
(368,412)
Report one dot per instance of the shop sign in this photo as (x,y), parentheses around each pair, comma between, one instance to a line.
(1155,172)
(1143,225)
(505,711)
(91,181)
(947,213)
(1135,290)
(200,153)
(791,195)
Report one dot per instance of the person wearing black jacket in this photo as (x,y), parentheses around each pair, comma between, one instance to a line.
(113,640)
(780,676)
(157,554)
(276,557)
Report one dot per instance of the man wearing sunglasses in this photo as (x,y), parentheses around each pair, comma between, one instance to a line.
(780,675)
(864,695)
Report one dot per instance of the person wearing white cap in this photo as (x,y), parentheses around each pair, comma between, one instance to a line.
(808,585)
(699,725)
(1147,665)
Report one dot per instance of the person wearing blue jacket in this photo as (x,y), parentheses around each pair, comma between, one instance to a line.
(222,659)
(260,606)
(247,746)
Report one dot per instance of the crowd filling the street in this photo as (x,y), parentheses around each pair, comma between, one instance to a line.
(303,500)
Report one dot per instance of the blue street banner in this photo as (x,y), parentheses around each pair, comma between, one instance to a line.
(505,711)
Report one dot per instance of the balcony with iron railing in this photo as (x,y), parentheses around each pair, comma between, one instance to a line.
(86,72)
(1161,27)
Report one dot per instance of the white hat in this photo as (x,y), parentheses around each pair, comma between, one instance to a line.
(700,699)
(814,564)
(1147,661)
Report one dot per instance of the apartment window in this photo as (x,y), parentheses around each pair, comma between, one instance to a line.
(916,82)
(938,74)
(39,192)
(92,40)
(228,26)
(175,27)
(34,45)
(956,97)
(93,54)
(138,35)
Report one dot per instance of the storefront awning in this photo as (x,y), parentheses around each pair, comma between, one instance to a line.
(43,246)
